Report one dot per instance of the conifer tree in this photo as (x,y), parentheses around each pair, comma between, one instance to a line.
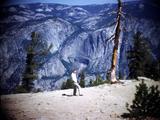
(32,61)
(98,81)
(91,83)
(63,86)
(82,81)
(155,70)
(146,103)
(140,57)
(67,85)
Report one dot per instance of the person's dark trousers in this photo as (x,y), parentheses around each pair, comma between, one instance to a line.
(74,90)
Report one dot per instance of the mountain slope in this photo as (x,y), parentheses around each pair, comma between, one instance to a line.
(78,35)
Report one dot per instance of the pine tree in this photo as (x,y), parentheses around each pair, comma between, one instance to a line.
(67,85)
(98,81)
(63,86)
(34,52)
(146,103)
(155,70)
(91,83)
(140,57)
(82,81)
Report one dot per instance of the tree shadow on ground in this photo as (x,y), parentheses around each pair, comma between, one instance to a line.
(68,95)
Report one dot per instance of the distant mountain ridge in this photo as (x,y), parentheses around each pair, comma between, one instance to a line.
(78,34)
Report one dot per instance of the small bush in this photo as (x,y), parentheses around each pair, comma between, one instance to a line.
(67,85)
(90,83)
(20,89)
(82,80)
(146,103)
(98,81)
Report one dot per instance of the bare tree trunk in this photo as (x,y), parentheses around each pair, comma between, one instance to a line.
(116,43)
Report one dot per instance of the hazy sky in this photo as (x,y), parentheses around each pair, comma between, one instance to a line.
(69,2)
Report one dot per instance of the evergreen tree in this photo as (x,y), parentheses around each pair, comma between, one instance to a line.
(68,84)
(63,86)
(155,70)
(140,57)
(34,52)
(82,81)
(146,103)
(91,83)
(98,80)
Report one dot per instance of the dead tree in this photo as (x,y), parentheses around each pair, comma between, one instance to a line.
(116,43)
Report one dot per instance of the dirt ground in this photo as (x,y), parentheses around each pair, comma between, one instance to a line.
(104,102)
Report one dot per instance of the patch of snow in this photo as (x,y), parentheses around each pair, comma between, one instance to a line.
(16,18)
(12,9)
(71,14)
(39,10)
(59,7)
(81,9)
(65,8)
(39,15)
(77,12)
(22,6)
(24,13)
(30,12)
(82,13)
(48,9)
(94,18)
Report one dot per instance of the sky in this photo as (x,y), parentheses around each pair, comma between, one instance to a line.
(69,2)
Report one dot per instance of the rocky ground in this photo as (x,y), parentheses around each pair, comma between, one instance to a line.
(104,102)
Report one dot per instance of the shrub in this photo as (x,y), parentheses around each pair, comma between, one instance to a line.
(20,89)
(67,85)
(98,81)
(140,57)
(82,80)
(90,83)
(146,103)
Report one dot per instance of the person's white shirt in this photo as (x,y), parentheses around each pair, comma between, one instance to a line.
(74,77)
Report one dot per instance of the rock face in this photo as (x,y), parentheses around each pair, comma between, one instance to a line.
(79,35)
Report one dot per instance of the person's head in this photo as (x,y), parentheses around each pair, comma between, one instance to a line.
(74,71)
